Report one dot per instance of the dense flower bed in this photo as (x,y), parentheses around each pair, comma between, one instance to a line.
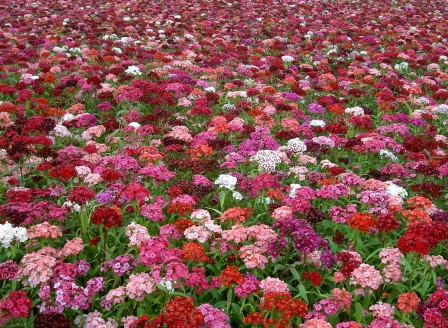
(223,163)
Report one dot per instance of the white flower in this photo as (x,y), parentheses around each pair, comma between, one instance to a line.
(287,59)
(135,125)
(294,187)
(266,159)
(68,117)
(355,111)
(72,206)
(317,123)
(441,109)
(226,181)
(117,50)
(296,145)
(423,101)
(134,70)
(200,215)
(388,154)
(401,66)
(264,200)
(237,195)
(83,170)
(112,37)
(228,107)
(168,285)
(75,50)
(236,94)
(8,233)
(249,82)
(211,226)
(394,190)
(61,131)
(189,36)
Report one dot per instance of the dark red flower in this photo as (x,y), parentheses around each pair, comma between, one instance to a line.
(54,320)
(64,171)
(106,215)
(81,194)
(312,276)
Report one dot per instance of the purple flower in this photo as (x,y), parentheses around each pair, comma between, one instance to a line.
(105,197)
(315,108)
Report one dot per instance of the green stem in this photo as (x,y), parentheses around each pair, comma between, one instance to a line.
(13,252)
(105,244)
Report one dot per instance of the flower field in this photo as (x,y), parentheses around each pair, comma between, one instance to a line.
(221,164)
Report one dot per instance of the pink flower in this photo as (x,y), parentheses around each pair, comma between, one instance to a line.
(390,255)
(343,296)
(282,212)
(316,323)
(381,309)
(237,233)
(140,285)
(43,230)
(367,277)
(274,285)
(137,234)
(72,247)
(180,132)
(114,296)
(94,319)
(36,269)
(198,233)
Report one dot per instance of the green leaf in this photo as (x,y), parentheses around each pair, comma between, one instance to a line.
(236,308)
(213,209)
(220,305)
(425,287)
(295,273)
(222,199)
(358,312)
(303,292)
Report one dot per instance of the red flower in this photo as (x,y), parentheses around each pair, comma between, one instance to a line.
(349,262)
(236,213)
(180,313)
(81,194)
(282,308)
(422,236)
(182,224)
(16,305)
(231,275)
(135,190)
(180,208)
(110,175)
(192,251)
(387,222)
(109,216)
(94,241)
(312,276)
(64,171)
(55,320)
(362,221)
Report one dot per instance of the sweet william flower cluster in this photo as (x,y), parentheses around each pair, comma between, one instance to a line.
(9,234)
(223,164)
